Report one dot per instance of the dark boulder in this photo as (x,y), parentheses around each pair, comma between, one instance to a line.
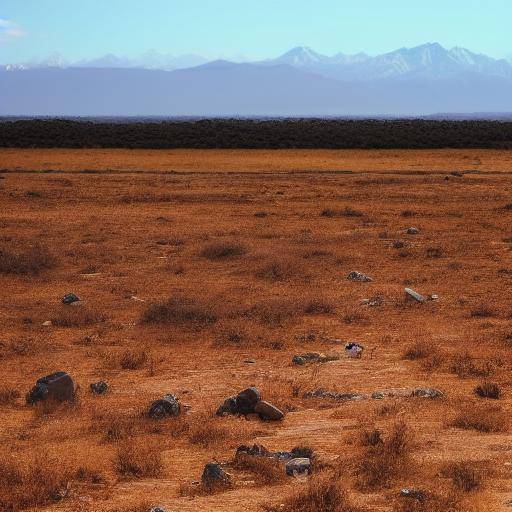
(99,388)
(58,387)
(243,403)
(214,476)
(70,298)
(267,411)
(165,407)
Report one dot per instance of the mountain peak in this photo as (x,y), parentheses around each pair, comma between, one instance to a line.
(301,56)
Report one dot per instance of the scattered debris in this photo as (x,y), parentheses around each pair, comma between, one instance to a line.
(314,357)
(99,388)
(374,302)
(70,298)
(412,295)
(58,387)
(298,466)
(354,350)
(215,476)
(249,401)
(358,276)
(164,407)
(413,231)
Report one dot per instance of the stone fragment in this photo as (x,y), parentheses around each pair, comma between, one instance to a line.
(165,407)
(354,350)
(58,387)
(99,388)
(358,276)
(298,466)
(415,296)
(427,393)
(415,494)
(70,298)
(247,399)
(267,411)
(313,357)
(214,476)
(413,231)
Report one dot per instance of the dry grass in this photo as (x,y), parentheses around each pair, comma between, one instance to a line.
(29,261)
(266,470)
(139,458)
(486,420)
(488,390)
(134,359)
(8,396)
(222,251)
(79,316)
(464,475)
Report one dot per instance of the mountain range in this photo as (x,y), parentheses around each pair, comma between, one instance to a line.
(423,80)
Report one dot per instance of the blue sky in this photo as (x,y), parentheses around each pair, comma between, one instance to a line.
(251,28)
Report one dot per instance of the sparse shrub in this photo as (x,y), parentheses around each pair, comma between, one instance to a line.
(371,437)
(31,260)
(488,390)
(207,432)
(275,312)
(482,311)
(277,270)
(222,250)
(31,480)
(261,215)
(434,252)
(319,306)
(231,334)
(323,494)
(8,396)
(181,312)
(463,365)
(139,458)
(408,213)
(419,350)
(484,420)
(79,316)
(133,359)
(346,212)
(266,470)
(384,461)
(464,475)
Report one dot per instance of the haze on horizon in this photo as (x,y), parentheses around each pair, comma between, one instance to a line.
(32,30)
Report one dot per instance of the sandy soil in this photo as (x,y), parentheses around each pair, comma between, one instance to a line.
(124,240)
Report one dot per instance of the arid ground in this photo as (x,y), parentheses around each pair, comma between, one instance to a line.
(247,253)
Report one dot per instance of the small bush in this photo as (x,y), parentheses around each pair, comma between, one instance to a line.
(8,396)
(434,252)
(181,312)
(133,359)
(30,261)
(206,432)
(274,313)
(488,390)
(319,306)
(482,311)
(266,470)
(463,365)
(464,476)
(371,437)
(222,251)
(419,350)
(346,212)
(277,270)
(79,316)
(138,458)
(483,420)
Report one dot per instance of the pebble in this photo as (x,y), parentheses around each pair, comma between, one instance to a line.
(358,276)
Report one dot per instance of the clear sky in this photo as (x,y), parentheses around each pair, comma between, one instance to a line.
(252,28)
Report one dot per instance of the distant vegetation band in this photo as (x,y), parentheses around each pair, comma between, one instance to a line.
(258,134)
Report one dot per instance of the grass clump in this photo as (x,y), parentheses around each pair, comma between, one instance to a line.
(465,477)
(488,390)
(138,458)
(79,316)
(222,251)
(484,420)
(28,261)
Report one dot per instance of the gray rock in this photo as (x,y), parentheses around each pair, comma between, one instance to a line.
(99,388)
(165,407)
(214,476)
(158,509)
(415,494)
(354,350)
(427,393)
(267,411)
(342,397)
(313,357)
(358,276)
(413,231)
(392,393)
(412,295)
(58,387)
(70,298)
(227,407)
(298,466)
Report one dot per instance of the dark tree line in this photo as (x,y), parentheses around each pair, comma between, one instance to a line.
(264,134)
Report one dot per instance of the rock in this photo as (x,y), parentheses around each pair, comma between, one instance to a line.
(58,387)
(412,295)
(427,393)
(214,476)
(267,411)
(313,357)
(392,393)
(70,298)
(375,302)
(358,276)
(247,399)
(342,397)
(354,350)
(302,452)
(48,323)
(99,388)
(415,494)
(433,297)
(165,407)
(298,466)
(256,450)
(413,231)
(227,407)
(158,509)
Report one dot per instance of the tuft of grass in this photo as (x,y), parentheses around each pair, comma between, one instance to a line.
(346,212)
(8,396)
(319,306)
(464,365)
(79,316)
(29,261)
(275,312)
(222,251)
(278,270)
(266,470)
(181,312)
(464,475)
(484,420)
(488,390)
(138,458)
(133,359)
(206,432)
(419,350)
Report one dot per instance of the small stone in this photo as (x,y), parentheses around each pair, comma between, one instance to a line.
(433,297)
(70,298)
(158,509)
(358,276)
(227,407)
(214,476)
(413,231)
(48,323)
(298,466)
(354,350)
(415,494)
(99,388)
(165,407)
(427,393)
(250,361)
(412,295)
(267,411)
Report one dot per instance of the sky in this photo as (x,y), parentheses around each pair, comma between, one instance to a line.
(252,29)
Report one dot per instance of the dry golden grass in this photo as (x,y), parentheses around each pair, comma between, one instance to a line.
(205,272)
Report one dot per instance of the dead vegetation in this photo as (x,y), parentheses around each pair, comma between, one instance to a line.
(139,458)
(30,260)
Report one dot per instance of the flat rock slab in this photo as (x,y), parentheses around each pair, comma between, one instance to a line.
(298,466)
(267,411)
(415,296)
(377,395)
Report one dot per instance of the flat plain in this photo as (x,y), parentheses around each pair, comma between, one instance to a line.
(249,251)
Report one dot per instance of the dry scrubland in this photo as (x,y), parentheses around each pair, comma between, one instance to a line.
(253,248)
